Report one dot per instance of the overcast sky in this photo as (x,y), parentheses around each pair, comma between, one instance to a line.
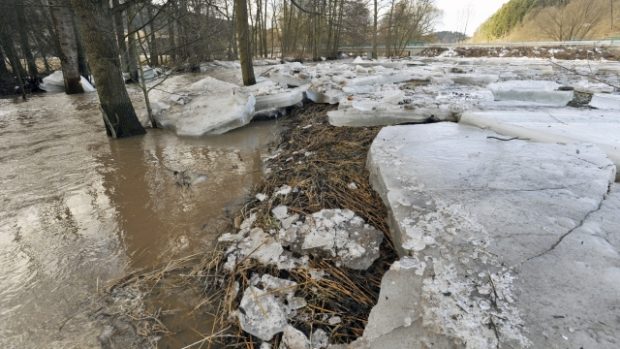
(455,13)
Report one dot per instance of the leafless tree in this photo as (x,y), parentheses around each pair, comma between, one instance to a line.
(573,20)
(62,17)
(97,29)
(409,20)
(243,39)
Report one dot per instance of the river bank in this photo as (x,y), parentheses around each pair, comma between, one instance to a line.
(497,163)
(315,167)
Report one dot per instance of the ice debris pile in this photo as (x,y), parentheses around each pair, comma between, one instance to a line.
(269,304)
(384,92)
(333,234)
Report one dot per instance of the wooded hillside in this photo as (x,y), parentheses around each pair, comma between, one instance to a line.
(530,20)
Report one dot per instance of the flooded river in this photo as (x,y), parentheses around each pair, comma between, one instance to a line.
(78,209)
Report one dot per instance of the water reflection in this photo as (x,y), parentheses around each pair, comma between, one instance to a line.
(78,209)
(159,216)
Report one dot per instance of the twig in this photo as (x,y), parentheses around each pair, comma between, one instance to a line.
(504,139)
(591,76)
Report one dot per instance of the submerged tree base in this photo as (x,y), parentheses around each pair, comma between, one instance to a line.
(327,166)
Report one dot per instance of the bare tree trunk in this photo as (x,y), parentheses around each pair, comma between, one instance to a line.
(339,27)
(252,30)
(182,31)
(40,42)
(25,44)
(388,41)
(119,29)
(173,45)
(154,55)
(264,31)
(375,54)
(4,71)
(145,91)
(63,22)
(231,41)
(132,50)
(96,27)
(245,49)
(82,60)
(9,49)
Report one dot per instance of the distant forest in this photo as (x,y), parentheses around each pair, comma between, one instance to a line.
(448,37)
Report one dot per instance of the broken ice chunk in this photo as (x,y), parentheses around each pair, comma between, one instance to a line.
(261,247)
(538,91)
(260,314)
(280,212)
(294,339)
(341,235)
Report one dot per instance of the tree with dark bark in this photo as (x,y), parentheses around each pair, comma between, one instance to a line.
(24,43)
(6,45)
(243,41)
(62,18)
(4,72)
(375,19)
(96,28)
(132,49)
(119,29)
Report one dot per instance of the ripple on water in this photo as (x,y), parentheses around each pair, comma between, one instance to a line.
(78,209)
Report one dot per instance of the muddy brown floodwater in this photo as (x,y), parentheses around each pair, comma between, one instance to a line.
(78,209)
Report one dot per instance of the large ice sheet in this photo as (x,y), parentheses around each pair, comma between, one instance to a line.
(271,96)
(502,243)
(566,125)
(207,106)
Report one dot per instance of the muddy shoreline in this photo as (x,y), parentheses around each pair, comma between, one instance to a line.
(322,163)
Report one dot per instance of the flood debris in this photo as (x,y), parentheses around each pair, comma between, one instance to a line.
(381,92)
(302,264)
(269,283)
(303,267)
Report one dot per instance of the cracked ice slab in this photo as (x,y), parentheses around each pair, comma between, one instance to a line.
(581,280)
(466,212)
(600,127)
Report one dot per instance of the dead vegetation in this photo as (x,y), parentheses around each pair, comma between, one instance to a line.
(322,162)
